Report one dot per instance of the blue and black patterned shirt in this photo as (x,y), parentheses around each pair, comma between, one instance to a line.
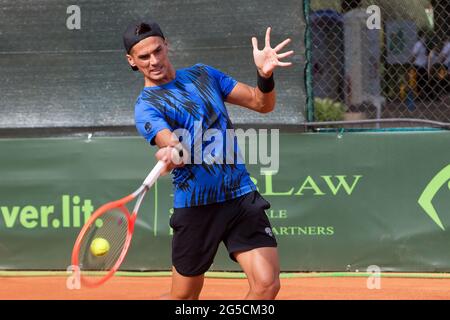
(194,101)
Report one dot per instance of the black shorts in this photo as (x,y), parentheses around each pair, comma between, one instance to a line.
(241,223)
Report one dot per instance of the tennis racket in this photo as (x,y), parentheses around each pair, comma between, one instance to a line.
(112,226)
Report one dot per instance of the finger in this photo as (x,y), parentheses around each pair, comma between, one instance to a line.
(282,45)
(159,154)
(167,154)
(268,37)
(284,64)
(176,156)
(255,43)
(170,153)
(286,54)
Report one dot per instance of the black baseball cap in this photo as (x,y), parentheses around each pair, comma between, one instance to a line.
(139,30)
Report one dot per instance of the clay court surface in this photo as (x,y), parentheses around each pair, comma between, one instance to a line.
(301,288)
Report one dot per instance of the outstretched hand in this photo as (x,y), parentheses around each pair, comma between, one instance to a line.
(267,59)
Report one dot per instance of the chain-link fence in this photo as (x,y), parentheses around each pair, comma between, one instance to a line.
(382,63)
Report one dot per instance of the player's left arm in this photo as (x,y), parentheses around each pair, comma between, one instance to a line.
(252,98)
(262,97)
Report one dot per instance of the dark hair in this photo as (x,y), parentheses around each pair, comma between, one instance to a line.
(142,28)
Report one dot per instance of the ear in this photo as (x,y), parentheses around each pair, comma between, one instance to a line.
(131,60)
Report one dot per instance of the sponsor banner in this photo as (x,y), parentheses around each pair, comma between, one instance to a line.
(338,202)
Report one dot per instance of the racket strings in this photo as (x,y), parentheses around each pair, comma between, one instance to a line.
(116,239)
(112,226)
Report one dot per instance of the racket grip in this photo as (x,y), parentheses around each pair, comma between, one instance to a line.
(154,174)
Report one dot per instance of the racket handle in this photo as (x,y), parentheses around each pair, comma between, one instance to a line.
(154,174)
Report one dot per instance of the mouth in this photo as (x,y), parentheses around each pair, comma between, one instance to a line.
(156,70)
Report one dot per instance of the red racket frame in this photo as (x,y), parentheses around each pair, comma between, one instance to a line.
(131,218)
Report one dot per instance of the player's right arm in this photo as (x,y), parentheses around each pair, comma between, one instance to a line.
(167,142)
(152,125)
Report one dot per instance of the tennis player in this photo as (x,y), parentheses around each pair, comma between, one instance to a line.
(213,202)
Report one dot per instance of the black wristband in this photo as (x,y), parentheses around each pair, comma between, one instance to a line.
(266,85)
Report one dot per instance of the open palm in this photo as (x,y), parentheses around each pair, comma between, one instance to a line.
(267,59)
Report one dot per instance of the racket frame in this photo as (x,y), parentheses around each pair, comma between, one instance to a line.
(131,218)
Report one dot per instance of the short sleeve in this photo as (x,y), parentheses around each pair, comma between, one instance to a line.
(225,82)
(149,121)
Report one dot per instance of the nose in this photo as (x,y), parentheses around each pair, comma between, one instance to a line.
(153,60)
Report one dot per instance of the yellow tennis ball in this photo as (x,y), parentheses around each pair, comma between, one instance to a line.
(99,247)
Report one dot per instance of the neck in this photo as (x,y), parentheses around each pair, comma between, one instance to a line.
(169,77)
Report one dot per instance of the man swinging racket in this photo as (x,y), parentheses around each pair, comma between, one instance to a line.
(213,201)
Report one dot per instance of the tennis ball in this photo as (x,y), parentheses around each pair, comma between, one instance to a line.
(99,247)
